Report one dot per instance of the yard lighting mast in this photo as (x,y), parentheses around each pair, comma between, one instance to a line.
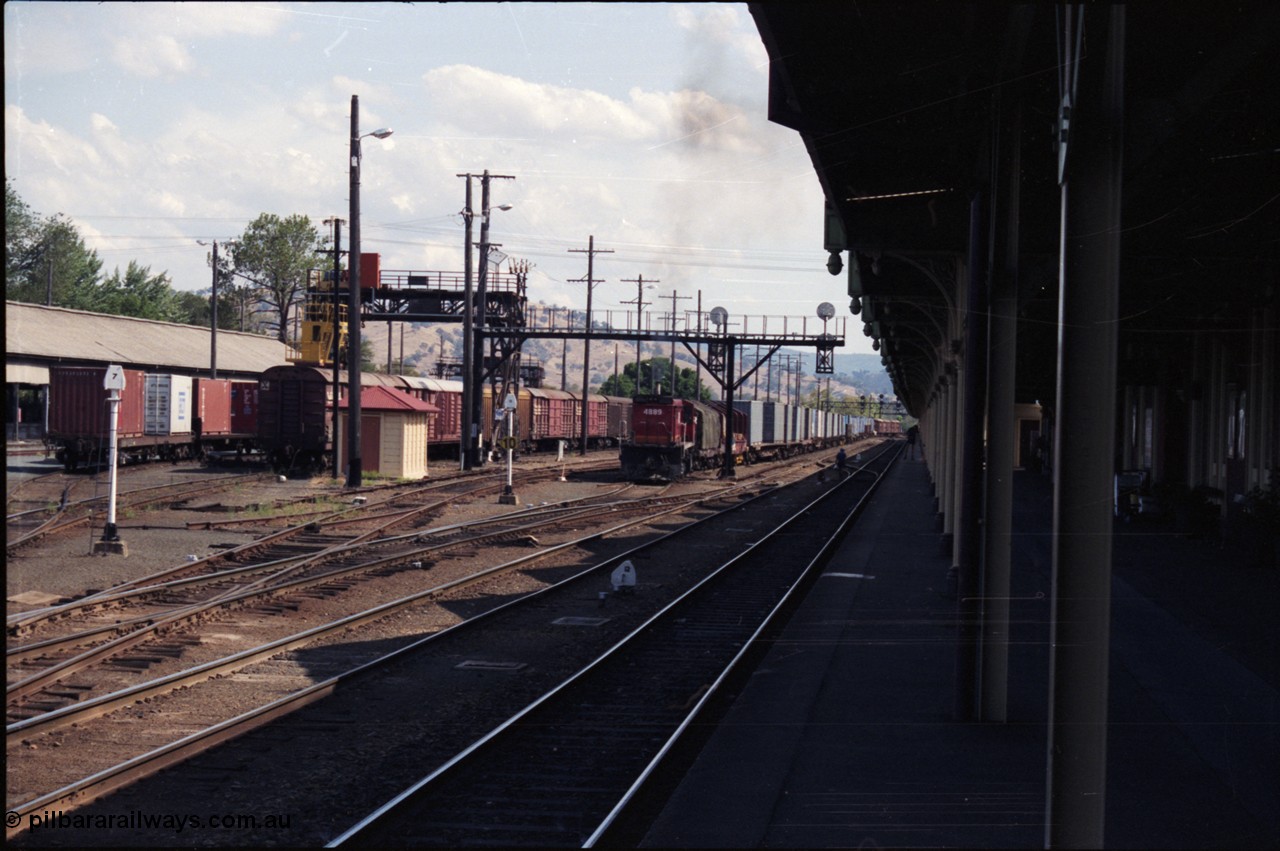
(354,472)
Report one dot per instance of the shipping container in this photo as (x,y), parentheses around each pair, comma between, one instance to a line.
(244,407)
(754,411)
(168,404)
(212,414)
(78,404)
(768,422)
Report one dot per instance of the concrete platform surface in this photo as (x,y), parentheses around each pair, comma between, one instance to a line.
(845,736)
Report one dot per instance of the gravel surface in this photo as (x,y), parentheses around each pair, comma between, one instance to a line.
(65,565)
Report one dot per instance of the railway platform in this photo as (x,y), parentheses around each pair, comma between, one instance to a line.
(845,735)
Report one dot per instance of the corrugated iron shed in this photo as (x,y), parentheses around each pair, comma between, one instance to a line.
(37,337)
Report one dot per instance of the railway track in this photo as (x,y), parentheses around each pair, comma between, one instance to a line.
(300,561)
(403,504)
(43,700)
(147,763)
(27,527)
(559,772)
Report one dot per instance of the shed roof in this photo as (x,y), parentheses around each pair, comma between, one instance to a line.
(35,334)
(390,399)
(549,393)
(426,382)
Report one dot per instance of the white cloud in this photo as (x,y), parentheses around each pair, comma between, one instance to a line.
(151,55)
(31,146)
(487,102)
(107,141)
(147,39)
(212,20)
(45,38)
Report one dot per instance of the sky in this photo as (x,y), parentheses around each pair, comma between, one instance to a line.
(155,125)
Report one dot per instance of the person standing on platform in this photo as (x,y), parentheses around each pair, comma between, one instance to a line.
(913,434)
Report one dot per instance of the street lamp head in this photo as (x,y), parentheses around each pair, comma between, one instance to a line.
(381,133)
(503,207)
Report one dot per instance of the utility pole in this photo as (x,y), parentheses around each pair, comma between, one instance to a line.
(468,335)
(757,393)
(768,382)
(473,316)
(591,251)
(697,375)
(672,328)
(213,318)
(639,303)
(477,360)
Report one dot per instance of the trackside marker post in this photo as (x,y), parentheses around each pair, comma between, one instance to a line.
(508,496)
(113,382)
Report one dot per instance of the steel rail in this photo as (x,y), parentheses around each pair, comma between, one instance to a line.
(359,833)
(146,627)
(22,621)
(52,525)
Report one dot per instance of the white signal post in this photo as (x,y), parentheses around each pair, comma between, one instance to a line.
(508,496)
(113,382)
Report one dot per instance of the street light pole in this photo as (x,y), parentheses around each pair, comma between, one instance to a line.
(354,471)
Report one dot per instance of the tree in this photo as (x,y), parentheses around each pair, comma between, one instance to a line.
(274,255)
(366,356)
(20,235)
(141,294)
(622,385)
(43,255)
(687,384)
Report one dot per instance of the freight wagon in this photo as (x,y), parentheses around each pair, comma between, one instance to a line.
(544,417)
